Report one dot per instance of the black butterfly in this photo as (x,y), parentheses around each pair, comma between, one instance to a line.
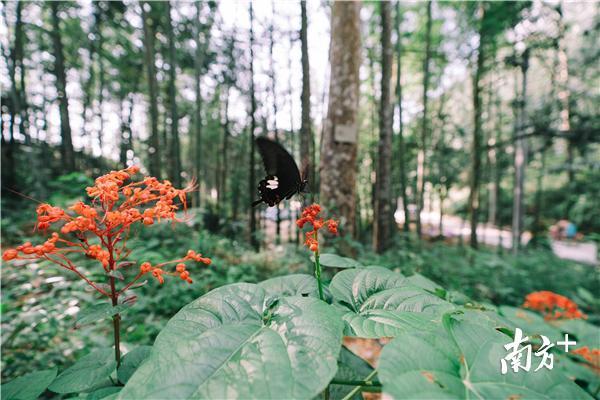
(283,178)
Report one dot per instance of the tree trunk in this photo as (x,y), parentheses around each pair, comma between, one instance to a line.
(401,145)
(175,157)
(306,136)
(66,147)
(384,218)
(17,61)
(274,98)
(197,163)
(476,144)
(520,160)
(154,158)
(101,77)
(340,136)
(424,125)
(252,162)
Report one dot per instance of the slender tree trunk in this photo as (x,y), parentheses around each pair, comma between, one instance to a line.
(224,148)
(198,60)
(401,145)
(67,151)
(20,98)
(274,98)
(252,162)
(340,136)
(424,125)
(384,218)
(306,135)
(175,157)
(154,157)
(520,160)
(101,77)
(476,144)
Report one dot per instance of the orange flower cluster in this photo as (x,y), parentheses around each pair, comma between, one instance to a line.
(593,355)
(180,268)
(118,201)
(553,306)
(27,249)
(310,215)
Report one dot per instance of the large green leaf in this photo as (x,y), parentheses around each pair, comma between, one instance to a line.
(230,344)
(131,361)
(376,302)
(335,261)
(29,386)
(464,362)
(86,373)
(97,312)
(291,285)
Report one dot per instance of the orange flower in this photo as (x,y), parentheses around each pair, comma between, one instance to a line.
(553,306)
(102,228)
(310,216)
(593,355)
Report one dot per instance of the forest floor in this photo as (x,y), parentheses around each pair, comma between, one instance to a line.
(455,227)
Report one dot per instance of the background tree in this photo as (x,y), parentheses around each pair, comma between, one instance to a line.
(340,136)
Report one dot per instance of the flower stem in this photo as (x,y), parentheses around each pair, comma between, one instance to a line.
(318,275)
(116,322)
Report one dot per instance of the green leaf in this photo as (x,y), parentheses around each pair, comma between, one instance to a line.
(291,285)
(376,302)
(29,386)
(335,261)
(464,362)
(97,312)
(350,368)
(86,373)
(218,347)
(104,393)
(422,282)
(131,362)
(531,323)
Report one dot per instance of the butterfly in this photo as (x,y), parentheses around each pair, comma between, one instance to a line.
(283,178)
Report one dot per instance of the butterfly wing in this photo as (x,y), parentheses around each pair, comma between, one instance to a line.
(283,176)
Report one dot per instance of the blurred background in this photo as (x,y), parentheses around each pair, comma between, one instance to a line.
(460,140)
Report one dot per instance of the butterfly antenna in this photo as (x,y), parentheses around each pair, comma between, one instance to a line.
(23,195)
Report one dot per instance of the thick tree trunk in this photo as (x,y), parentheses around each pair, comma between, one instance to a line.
(252,160)
(340,136)
(520,160)
(384,218)
(476,144)
(154,158)
(175,156)
(424,125)
(66,148)
(306,136)
(401,145)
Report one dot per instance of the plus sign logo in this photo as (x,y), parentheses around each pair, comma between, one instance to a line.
(566,343)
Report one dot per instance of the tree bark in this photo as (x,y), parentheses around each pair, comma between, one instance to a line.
(175,156)
(252,161)
(424,125)
(66,148)
(384,218)
(306,136)
(274,98)
(401,145)
(340,134)
(476,144)
(520,161)
(154,158)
